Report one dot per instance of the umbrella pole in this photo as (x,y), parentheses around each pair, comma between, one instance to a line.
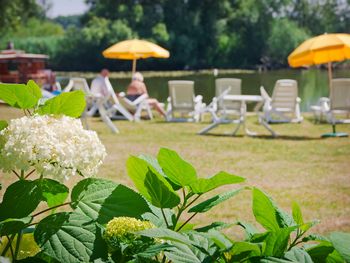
(133,66)
(330,75)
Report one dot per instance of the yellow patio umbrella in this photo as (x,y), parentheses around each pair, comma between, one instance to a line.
(135,49)
(326,48)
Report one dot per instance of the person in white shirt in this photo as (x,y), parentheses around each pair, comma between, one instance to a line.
(98,85)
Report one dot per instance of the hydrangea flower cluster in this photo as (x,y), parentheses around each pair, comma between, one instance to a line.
(120,233)
(57,147)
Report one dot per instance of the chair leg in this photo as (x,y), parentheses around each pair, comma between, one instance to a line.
(208,128)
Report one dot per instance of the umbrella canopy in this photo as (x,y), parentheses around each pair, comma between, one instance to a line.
(322,49)
(135,49)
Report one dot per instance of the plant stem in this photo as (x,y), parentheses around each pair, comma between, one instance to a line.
(194,200)
(188,220)
(29,174)
(51,208)
(19,237)
(166,222)
(8,245)
(16,174)
(22,174)
(295,242)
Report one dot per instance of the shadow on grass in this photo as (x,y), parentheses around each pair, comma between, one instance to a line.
(269,137)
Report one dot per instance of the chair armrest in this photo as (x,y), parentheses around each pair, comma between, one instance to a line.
(198,99)
(122,94)
(69,87)
(298,100)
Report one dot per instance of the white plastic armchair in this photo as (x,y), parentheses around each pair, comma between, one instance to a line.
(284,105)
(183,101)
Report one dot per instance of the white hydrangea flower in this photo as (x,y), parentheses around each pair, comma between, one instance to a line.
(57,147)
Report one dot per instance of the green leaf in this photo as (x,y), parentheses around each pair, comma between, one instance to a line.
(154,163)
(151,184)
(341,242)
(53,192)
(241,251)
(274,260)
(34,89)
(203,185)
(298,255)
(264,211)
(13,225)
(217,238)
(19,95)
(154,250)
(166,234)
(68,103)
(320,252)
(297,215)
(213,201)
(20,199)
(181,253)
(314,237)
(3,124)
(214,225)
(249,229)
(277,242)
(177,170)
(102,200)
(70,237)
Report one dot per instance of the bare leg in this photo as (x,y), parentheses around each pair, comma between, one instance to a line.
(156,105)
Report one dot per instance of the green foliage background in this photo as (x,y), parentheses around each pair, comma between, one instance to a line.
(198,33)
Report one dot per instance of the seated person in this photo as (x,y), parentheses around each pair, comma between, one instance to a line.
(137,88)
(98,85)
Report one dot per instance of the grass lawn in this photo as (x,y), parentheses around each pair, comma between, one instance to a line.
(297,166)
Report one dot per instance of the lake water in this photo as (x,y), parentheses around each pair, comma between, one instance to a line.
(312,83)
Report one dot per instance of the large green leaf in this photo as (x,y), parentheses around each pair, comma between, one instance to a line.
(70,237)
(298,255)
(156,216)
(151,184)
(68,103)
(177,170)
(34,89)
(20,95)
(264,211)
(102,200)
(341,242)
(166,234)
(213,201)
(274,260)
(182,253)
(249,229)
(13,225)
(320,252)
(242,251)
(20,199)
(53,192)
(3,124)
(203,185)
(297,215)
(277,242)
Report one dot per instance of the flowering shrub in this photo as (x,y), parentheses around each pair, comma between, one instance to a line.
(53,146)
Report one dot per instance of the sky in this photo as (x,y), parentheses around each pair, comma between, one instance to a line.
(66,7)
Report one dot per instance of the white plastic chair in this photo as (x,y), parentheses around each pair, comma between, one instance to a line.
(222,110)
(182,100)
(93,102)
(339,101)
(284,105)
(321,109)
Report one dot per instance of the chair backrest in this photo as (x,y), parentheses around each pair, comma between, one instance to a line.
(235,86)
(80,84)
(285,94)
(340,94)
(181,93)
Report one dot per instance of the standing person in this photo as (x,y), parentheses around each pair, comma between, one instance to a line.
(137,88)
(98,85)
